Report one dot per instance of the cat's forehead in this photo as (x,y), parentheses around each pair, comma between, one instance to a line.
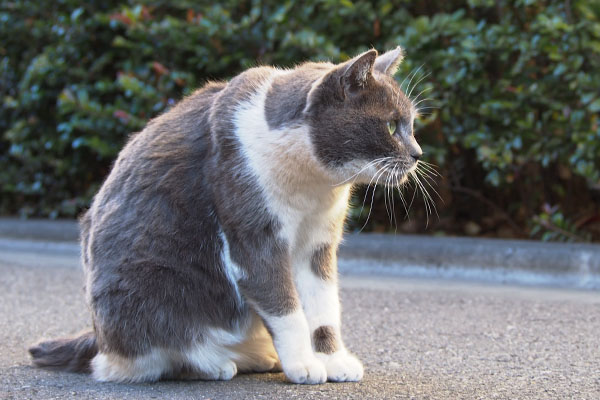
(389,95)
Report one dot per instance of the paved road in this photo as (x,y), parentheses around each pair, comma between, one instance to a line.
(418,339)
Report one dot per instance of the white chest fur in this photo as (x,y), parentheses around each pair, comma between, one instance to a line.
(297,189)
(302,195)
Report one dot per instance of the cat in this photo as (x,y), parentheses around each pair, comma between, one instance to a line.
(210,249)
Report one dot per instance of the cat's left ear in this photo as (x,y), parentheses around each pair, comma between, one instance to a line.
(389,61)
(356,72)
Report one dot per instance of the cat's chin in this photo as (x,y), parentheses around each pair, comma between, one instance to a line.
(379,178)
(403,179)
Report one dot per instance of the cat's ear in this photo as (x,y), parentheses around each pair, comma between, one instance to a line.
(389,61)
(356,72)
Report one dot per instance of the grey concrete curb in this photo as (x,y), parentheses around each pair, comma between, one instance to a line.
(522,262)
(494,260)
(62,230)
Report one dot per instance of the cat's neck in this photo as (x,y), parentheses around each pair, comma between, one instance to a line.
(279,146)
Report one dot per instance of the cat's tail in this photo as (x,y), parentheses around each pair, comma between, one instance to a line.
(67,354)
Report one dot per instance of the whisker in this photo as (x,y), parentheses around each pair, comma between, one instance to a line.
(425,200)
(391,193)
(374,177)
(421,92)
(425,113)
(417,83)
(401,195)
(422,100)
(432,203)
(429,167)
(367,192)
(415,74)
(414,192)
(377,174)
(391,186)
(426,168)
(409,74)
(424,173)
(409,88)
(385,197)
(427,163)
(371,163)
(429,184)
(427,175)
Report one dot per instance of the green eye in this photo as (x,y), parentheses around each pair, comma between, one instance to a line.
(391,127)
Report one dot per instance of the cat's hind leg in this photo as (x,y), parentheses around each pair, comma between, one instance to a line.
(256,353)
(109,367)
(211,359)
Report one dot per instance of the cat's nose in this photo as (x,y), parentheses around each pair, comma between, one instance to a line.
(414,149)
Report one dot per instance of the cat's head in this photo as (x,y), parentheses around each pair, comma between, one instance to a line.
(362,122)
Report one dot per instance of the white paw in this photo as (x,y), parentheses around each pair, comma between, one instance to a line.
(227,371)
(221,373)
(309,371)
(342,367)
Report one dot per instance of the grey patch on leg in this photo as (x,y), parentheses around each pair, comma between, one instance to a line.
(324,339)
(322,263)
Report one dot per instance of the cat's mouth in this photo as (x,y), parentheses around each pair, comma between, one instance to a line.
(394,173)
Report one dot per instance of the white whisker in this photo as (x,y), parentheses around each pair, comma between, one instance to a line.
(378,174)
(397,184)
(428,196)
(425,199)
(421,92)
(374,177)
(370,164)
(390,194)
(417,83)
(420,101)
(407,76)
(413,75)
(411,175)
(430,167)
(429,184)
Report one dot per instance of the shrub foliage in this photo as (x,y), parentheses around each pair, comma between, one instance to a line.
(511,114)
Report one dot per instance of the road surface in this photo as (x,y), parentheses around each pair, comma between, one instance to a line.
(418,339)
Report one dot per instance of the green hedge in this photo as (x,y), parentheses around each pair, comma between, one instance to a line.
(515,89)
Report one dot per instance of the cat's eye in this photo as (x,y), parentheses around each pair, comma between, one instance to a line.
(391,125)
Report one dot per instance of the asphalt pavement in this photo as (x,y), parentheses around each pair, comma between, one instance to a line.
(418,339)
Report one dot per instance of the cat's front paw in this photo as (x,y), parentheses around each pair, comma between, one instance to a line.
(310,371)
(342,366)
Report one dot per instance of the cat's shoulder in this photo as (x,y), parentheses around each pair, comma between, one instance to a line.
(255,76)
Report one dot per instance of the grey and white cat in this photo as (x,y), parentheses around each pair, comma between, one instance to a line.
(211,247)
